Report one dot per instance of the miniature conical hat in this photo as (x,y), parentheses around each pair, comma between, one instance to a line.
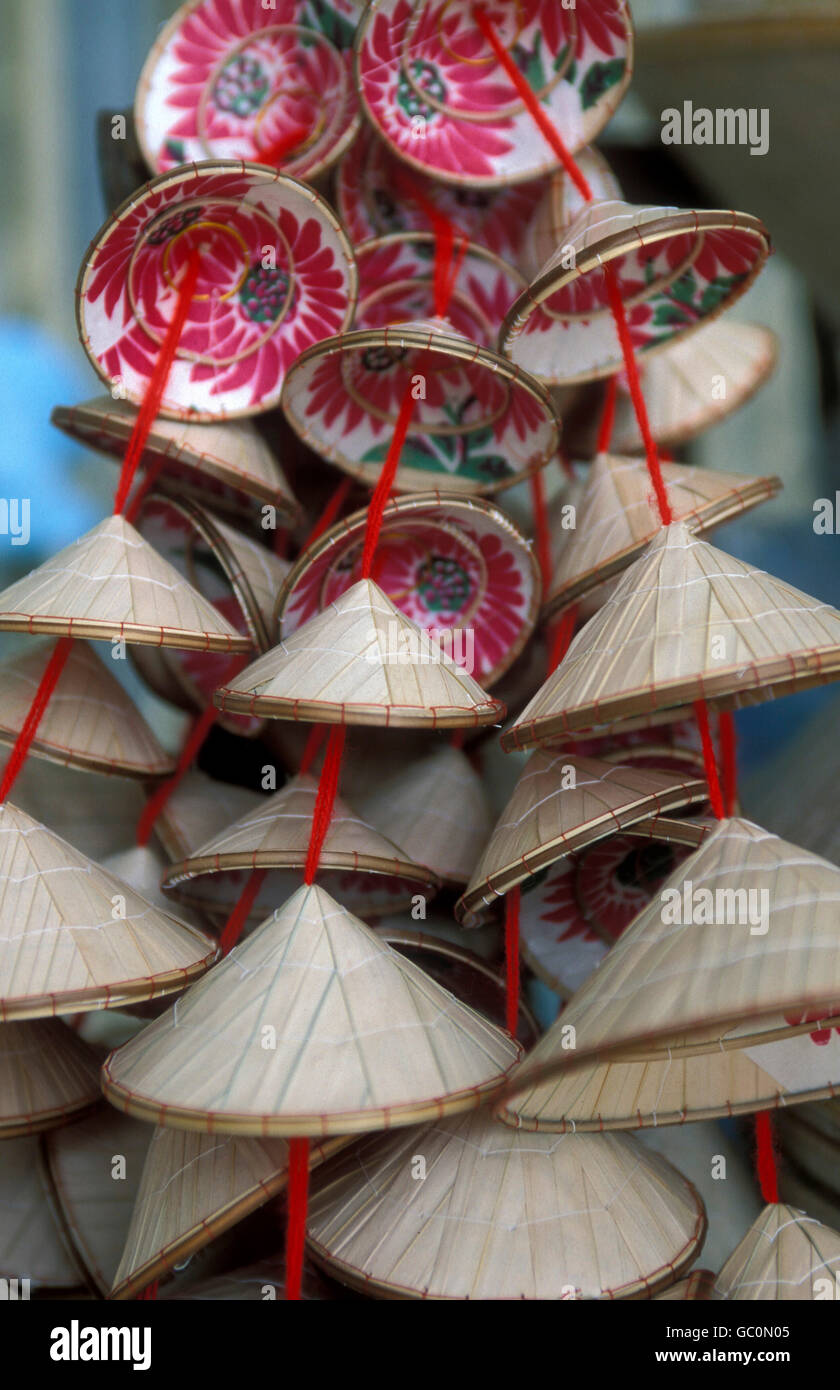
(111,584)
(199,808)
(784,1255)
(74,937)
(361,661)
(499,1215)
(436,810)
(93,1169)
(94,813)
(561,803)
(203,459)
(31,1245)
(684,622)
(675,984)
(680,384)
(674,270)
(276,835)
(363,1038)
(90,721)
(47,1075)
(618,516)
(194,1187)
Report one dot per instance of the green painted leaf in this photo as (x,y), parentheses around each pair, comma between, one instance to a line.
(175,148)
(336,27)
(685,288)
(599,78)
(670,314)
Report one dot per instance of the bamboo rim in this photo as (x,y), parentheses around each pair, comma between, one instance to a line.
(389,716)
(45,1037)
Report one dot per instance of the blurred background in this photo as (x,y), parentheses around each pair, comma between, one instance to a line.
(64,61)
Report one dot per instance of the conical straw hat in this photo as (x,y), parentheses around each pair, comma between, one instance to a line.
(436,810)
(675,269)
(111,584)
(618,516)
(561,803)
(276,835)
(784,1255)
(47,1075)
(766,966)
(143,867)
(199,808)
(482,425)
(96,814)
(501,1215)
(75,937)
(684,622)
(363,1038)
(90,721)
(696,1288)
(361,661)
(31,1245)
(228,465)
(93,1192)
(194,1187)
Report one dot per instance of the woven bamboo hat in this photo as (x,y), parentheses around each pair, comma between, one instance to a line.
(363,1038)
(194,1187)
(228,466)
(95,813)
(90,721)
(427,67)
(525,1217)
(243,83)
(48,1075)
(75,937)
(30,1239)
(361,661)
(111,584)
(690,622)
(783,1256)
(275,835)
(675,270)
(561,803)
(451,564)
(479,423)
(199,808)
(707,967)
(92,1197)
(276,275)
(436,810)
(617,517)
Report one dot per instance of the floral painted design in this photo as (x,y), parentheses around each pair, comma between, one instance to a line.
(557,940)
(619,876)
(435,91)
(820,1036)
(246,324)
(233,79)
(444,568)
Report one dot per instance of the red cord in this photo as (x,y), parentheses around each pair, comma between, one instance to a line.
(385,482)
(563,635)
(512,961)
(543,534)
(232,929)
(150,1292)
(324,801)
(715,795)
(40,700)
(156,386)
(156,802)
(765,1157)
(605,431)
(297,1200)
(330,512)
(313,744)
(728,760)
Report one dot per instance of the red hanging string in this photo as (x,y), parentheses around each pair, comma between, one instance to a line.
(324,801)
(385,482)
(715,795)
(563,634)
(543,534)
(330,512)
(765,1157)
(40,700)
(232,929)
(313,744)
(512,961)
(198,733)
(150,1292)
(605,431)
(156,386)
(298,1192)
(728,760)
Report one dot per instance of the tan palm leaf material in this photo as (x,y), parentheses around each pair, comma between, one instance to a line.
(563,802)
(199,809)
(436,810)
(93,1169)
(111,584)
(696,1288)
(276,835)
(95,813)
(618,516)
(143,867)
(201,458)
(499,1215)
(74,937)
(684,622)
(90,721)
(47,1076)
(361,661)
(784,1255)
(310,1026)
(194,1187)
(739,949)
(31,1243)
